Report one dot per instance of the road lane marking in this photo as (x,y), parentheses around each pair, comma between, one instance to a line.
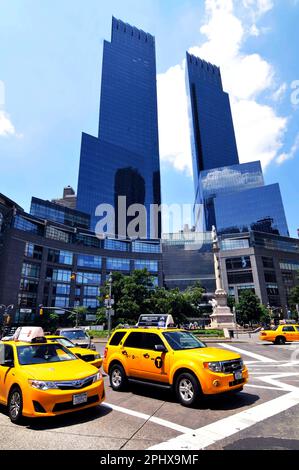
(265,387)
(145,417)
(272,380)
(259,357)
(207,435)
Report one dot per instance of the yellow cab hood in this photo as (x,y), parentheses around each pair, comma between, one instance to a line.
(67,370)
(210,354)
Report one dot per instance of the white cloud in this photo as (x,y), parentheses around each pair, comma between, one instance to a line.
(291,154)
(259,129)
(6,126)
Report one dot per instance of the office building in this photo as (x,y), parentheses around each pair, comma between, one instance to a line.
(123,160)
(69,198)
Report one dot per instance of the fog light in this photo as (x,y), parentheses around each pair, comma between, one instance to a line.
(216,383)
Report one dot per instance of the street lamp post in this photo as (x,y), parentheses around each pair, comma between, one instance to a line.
(109,302)
(6,317)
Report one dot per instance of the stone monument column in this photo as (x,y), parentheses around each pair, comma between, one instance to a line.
(222,317)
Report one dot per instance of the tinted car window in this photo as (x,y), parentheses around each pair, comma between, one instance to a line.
(134,340)
(288,328)
(6,353)
(150,340)
(116,338)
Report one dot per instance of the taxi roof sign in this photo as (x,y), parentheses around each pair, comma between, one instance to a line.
(28,333)
(158,321)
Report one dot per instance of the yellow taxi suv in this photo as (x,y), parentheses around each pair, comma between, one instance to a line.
(172,358)
(281,334)
(87,355)
(40,378)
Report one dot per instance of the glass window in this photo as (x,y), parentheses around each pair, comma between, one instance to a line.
(180,340)
(27,299)
(89,278)
(116,338)
(270,277)
(1,220)
(118,264)
(90,291)
(30,270)
(288,328)
(27,285)
(243,262)
(141,247)
(21,223)
(290,265)
(60,302)
(33,251)
(59,275)
(268,262)
(150,340)
(240,277)
(60,256)
(61,289)
(237,244)
(134,340)
(56,234)
(91,303)
(116,245)
(150,265)
(73,334)
(89,261)
(44,354)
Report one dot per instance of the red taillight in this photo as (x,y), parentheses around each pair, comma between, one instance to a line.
(105,353)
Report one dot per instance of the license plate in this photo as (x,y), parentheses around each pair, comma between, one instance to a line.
(238,375)
(79,398)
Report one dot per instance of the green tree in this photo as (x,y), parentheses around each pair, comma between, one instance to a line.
(249,309)
(294,298)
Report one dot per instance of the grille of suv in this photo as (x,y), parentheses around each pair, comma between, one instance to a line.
(229,367)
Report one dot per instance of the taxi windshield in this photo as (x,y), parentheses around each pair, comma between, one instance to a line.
(181,340)
(65,342)
(74,334)
(43,354)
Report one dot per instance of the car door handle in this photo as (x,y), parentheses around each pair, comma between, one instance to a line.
(146,356)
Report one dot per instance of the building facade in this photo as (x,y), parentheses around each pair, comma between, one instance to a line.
(265,263)
(39,255)
(233,196)
(124,159)
(69,198)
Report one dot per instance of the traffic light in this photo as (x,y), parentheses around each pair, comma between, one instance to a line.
(73,277)
(41,310)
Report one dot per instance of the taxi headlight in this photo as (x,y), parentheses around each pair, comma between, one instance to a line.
(93,347)
(41,385)
(97,377)
(213,366)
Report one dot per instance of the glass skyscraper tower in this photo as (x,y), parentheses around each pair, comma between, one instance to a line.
(124,159)
(234,196)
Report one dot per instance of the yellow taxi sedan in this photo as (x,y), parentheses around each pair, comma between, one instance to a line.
(87,355)
(41,378)
(281,334)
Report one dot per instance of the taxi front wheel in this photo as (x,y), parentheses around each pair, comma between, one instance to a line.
(118,378)
(15,405)
(187,389)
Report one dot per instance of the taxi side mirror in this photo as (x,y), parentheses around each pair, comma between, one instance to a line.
(160,348)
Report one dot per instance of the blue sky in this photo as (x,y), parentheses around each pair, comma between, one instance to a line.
(50,65)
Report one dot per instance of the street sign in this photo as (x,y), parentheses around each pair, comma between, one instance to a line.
(25,310)
(110,312)
(90,317)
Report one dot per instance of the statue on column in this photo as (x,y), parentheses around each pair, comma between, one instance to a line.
(222,317)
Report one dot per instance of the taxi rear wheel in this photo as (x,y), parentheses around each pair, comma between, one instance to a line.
(280,340)
(187,389)
(15,405)
(118,378)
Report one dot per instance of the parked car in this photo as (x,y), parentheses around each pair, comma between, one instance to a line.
(87,355)
(39,378)
(78,336)
(174,359)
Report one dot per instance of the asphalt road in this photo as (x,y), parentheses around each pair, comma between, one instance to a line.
(264,416)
